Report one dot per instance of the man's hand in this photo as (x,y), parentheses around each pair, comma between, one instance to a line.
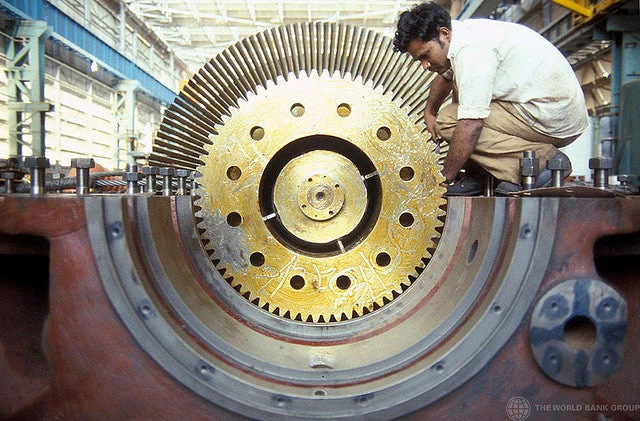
(461,146)
(430,120)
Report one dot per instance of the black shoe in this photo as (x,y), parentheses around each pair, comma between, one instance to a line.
(504,188)
(544,178)
(466,187)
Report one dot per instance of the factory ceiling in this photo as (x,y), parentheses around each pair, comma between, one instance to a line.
(197,30)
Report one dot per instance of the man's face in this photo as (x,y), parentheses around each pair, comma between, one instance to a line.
(432,54)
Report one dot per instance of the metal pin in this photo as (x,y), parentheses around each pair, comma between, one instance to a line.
(82,166)
(370,175)
(8,177)
(270,216)
(37,166)
(150,179)
(601,166)
(167,180)
(529,166)
(132,178)
(182,175)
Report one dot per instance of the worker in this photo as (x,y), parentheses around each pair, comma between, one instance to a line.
(513,91)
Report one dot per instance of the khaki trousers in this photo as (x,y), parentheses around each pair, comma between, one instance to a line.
(504,137)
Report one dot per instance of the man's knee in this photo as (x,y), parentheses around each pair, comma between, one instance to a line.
(446,120)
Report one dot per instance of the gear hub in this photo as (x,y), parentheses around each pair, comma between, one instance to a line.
(315,204)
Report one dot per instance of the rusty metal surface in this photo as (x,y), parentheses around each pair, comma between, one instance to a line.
(98,370)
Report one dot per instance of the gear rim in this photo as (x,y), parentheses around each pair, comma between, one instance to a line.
(381,259)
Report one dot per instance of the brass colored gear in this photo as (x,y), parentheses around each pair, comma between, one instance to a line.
(319,196)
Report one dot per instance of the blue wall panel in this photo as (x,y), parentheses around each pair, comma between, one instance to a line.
(76,37)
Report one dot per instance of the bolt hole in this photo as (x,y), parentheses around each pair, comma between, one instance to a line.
(234,219)
(406,219)
(526,231)
(234,173)
(297,282)
(320,195)
(439,368)
(257,133)
(384,133)
(406,173)
(297,110)
(383,259)
(257,259)
(343,282)
(554,305)
(344,110)
(473,251)
(580,332)
(497,309)
(320,393)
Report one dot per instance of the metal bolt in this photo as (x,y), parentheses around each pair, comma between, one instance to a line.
(150,179)
(601,166)
(82,166)
(37,166)
(558,166)
(529,165)
(167,180)
(192,177)
(9,163)
(182,175)
(132,178)
(8,177)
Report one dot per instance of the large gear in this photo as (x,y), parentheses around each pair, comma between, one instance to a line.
(319,197)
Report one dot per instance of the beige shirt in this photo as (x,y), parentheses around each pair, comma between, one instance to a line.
(493,60)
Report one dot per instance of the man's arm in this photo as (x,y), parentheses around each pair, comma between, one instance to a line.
(439,90)
(463,142)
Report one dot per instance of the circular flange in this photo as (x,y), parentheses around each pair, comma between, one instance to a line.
(320,196)
(577,332)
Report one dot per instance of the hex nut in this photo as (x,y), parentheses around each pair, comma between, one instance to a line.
(164,171)
(150,170)
(8,175)
(11,162)
(529,166)
(181,172)
(133,176)
(83,163)
(558,164)
(36,162)
(601,163)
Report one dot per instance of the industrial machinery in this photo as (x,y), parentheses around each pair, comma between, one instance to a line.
(313,268)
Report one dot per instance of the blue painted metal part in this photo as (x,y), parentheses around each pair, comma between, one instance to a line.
(76,37)
(583,364)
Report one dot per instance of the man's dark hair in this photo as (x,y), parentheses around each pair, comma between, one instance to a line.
(422,21)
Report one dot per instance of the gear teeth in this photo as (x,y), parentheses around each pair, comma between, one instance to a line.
(234,79)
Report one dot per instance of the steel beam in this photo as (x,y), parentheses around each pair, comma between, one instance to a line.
(70,33)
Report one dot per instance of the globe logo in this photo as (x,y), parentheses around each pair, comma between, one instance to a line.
(518,408)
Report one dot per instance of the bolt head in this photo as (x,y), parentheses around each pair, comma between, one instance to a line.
(166,171)
(133,176)
(83,163)
(624,178)
(9,163)
(36,162)
(558,164)
(601,163)
(150,170)
(181,172)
